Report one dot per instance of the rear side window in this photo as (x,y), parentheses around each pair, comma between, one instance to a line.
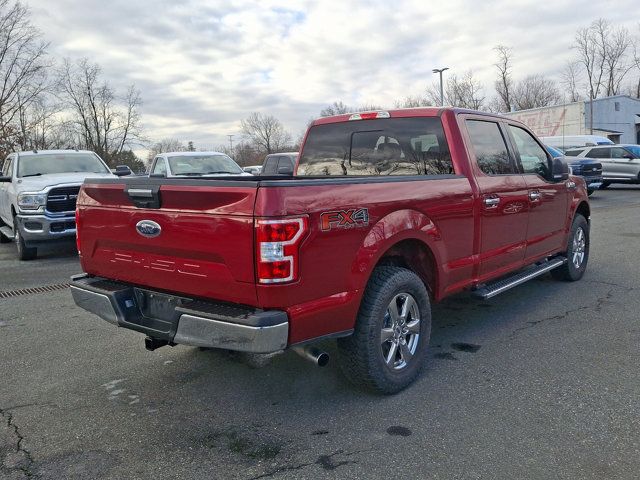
(532,156)
(390,146)
(573,153)
(490,148)
(6,169)
(599,153)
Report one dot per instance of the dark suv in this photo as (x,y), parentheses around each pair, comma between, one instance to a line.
(587,168)
(279,163)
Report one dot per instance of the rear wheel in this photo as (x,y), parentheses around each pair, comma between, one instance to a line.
(389,345)
(24,252)
(605,185)
(577,252)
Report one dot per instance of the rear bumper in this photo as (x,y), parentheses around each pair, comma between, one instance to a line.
(181,320)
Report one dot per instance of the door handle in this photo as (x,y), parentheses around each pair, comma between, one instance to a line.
(534,196)
(491,202)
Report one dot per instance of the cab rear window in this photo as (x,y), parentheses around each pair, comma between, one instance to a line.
(389,146)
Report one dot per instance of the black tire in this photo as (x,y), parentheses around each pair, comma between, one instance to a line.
(570,271)
(24,252)
(605,185)
(4,239)
(590,191)
(362,355)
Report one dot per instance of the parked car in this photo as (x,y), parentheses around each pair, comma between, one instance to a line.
(566,142)
(194,164)
(253,169)
(587,168)
(279,163)
(38,191)
(620,163)
(387,213)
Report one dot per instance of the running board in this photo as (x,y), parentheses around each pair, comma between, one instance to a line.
(503,285)
(7,232)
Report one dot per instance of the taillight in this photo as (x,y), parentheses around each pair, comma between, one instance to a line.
(277,249)
(78,230)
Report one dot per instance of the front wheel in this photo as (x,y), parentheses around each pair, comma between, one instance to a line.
(389,345)
(577,252)
(605,185)
(24,252)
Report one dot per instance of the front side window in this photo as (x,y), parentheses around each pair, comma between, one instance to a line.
(533,158)
(490,148)
(377,147)
(634,150)
(159,168)
(48,163)
(618,152)
(6,168)
(194,165)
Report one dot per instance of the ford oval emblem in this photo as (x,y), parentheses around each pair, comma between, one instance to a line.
(148,228)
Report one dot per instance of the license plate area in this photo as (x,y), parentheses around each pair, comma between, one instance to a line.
(153,313)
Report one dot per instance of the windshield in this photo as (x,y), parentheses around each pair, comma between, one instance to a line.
(43,164)
(635,149)
(202,164)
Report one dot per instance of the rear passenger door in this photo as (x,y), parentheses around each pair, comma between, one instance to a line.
(504,204)
(547,199)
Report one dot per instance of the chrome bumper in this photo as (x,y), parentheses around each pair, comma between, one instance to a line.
(37,228)
(181,320)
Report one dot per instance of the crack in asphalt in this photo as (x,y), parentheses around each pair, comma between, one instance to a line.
(597,306)
(325,461)
(19,448)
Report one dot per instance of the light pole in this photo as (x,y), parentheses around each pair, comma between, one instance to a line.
(230,142)
(440,70)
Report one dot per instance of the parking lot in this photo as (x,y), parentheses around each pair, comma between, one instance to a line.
(540,382)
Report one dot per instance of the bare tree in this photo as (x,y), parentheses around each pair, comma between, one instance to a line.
(464,92)
(413,102)
(336,108)
(165,145)
(603,52)
(266,132)
(504,82)
(105,122)
(535,91)
(23,63)
(569,80)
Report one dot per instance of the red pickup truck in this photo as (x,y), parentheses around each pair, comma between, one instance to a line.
(386,212)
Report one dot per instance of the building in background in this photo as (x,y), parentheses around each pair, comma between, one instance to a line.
(617,118)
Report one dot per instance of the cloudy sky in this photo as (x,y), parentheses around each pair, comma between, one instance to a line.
(203,65)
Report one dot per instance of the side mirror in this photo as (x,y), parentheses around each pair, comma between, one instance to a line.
(628,156)
(285,170)
(560,170)
(5,179)
(122,171)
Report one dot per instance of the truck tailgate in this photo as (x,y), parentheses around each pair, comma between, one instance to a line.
(204,246)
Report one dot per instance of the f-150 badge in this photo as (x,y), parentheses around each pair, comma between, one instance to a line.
(352,218)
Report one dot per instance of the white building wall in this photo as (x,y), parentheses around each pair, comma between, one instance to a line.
(551,121)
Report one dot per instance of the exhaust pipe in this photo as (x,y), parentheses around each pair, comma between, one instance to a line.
(313,354)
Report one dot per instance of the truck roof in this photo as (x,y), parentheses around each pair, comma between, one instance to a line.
(192,154)
(27,153)
(403,112)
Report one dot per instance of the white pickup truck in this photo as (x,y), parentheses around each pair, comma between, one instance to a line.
(38,191)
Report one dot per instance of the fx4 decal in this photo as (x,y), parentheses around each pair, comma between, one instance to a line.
(352,218)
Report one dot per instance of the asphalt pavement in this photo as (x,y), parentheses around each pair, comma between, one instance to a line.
(539,382)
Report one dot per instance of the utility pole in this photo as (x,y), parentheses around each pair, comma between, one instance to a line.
(591,111)
(440,70)
(230,142)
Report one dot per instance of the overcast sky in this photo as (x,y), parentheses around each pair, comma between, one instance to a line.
(203,65)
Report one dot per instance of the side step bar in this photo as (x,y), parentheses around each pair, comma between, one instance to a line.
(505,284)
(7,232)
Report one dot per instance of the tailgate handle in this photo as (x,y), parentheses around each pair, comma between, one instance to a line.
(144,197)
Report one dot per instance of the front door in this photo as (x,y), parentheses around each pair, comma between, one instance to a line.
(547,199)
(503,202)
